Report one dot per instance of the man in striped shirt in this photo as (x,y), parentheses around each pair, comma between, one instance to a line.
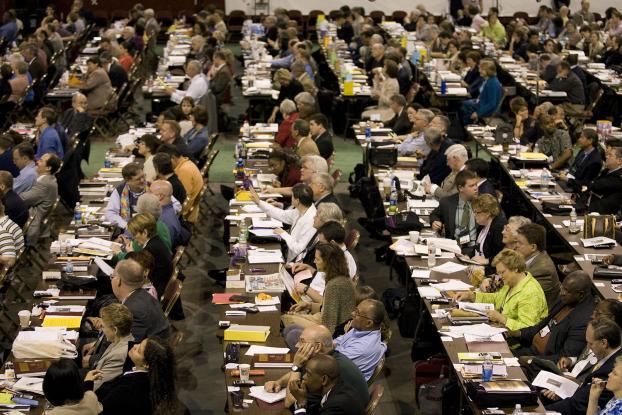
(11,239)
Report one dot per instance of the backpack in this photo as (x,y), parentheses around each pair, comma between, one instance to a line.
(429,370)
(393,300)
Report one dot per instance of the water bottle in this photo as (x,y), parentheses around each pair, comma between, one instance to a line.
(84,215)
(573,228)
(544,179)
(487,369)
(69,267)
(367,133)
(393,200)
(9,371)
(443,87)
(246,129)
(431,255)
(77,214)
(238,151)
(240,169)
(243,237)
(518,410)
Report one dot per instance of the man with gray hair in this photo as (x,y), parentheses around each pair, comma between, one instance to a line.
(163,191)
(152,28)
(306,105)
(435,164)
(322,185)
(198,84)
(400,124)
(456,156)
(414,144)
(309,165)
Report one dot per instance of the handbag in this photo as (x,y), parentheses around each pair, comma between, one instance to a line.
(608,273)
(43,345)
(599,225)
(383,156)
(403,222)
(556,209)
(483,399)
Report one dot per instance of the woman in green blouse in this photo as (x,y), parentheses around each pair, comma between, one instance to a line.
(521,301)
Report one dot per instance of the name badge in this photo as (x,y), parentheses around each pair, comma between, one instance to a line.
(464,239)
(544,331)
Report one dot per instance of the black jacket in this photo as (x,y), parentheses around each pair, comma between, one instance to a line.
(117,75)
(127,394)
(148,318)
(435,164)
(15,208)
(584,169)
(400,124)
(329,198)
(577,403)
(342,400)
(493,244)
(604,194)
(572,86)
(178,189)
(446,214)
(324,143)
(486,187)
(567,336)
(163,263)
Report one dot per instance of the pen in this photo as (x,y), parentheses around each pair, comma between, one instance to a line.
(257,269)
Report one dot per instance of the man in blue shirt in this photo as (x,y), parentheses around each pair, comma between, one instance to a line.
(48,140)
(8,30)
(24,159)
(362,343)
(164,192)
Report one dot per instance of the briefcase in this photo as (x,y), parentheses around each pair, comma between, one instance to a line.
(502,399)
(383,157)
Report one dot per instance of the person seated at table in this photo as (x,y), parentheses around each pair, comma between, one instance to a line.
(587,164)
(144,232)
(562,332)
(481,168)
(306,104)
(181,114)
(435,163)
(116,73)
(284,134)
(76,119)
(323,378)
(13,205)
(400,124)
(170,133)
(197,137)
(604,193)
(41,196)
(301,133)
(148,388)
(126,55)
(489,97)
(127,281)
(414,143)
(491,221)
(283,164)
(329,232)
(315,341)
(456,157)
(299,71)
(375,61)
(603,336)
(301,218)
(523,123)
(163,190)
(338,299)
(531,243)
(494,29)
(24,159)
(613,384)
(107,355)
(555,143)
(385,85)
(164,171)
(520,302)
(47,137)
(219,77)
(11,239)
(325,213)
(63,387)
(567,81)
(149,203)
(454,215)
(288,89)
(6,73)
(318,127)
(309,165)
(322,185)
(123,199)
(197,87)
(20,82)
(147,147)
(438,47)
(96,86)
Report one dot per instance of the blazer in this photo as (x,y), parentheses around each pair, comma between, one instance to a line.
(329,198)
(486,187)
(117,75)
(604,193)
(148,318)
(447,186)
(128,394)
(400,124)
(493,244)
(572,86)
(446,214)
(163,267)
(435,164)
(36,68)
(284,134)
(474,81)
(585,169)
(97,89)
(15,208)
(342,400)
(89,405)
(577,403)
(306,146)
(112,360)
(543,269)
(219,84)
(567,336)
(489,97)
(39,199)
(324,143)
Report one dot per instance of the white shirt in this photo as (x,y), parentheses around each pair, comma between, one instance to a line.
(302,230)
(196,90)
(319,281)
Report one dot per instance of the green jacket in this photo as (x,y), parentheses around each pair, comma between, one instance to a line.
(495,33)
(524,308)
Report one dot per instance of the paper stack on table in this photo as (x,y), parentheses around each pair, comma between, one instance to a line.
(563,387)
(265,256)
(259,392)
(449,268)
(254,349)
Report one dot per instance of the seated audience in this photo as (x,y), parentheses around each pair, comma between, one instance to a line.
(531,243)
(6,155)
(523,123)
(190,177)
(587,164)
(494,29)
(305,102)
(147,147)
(219,77)
(472,80)
(197,137)
(283,164)
(322,185)
(568,82)
(491,221)
(290,115)
(24,159)
(20,82)
(64,389)
(414,143)
(123,199)
(435,164)
(116,73)
(400,124)
(604,193)
(289,88)
(490,94)
(384,86)
(13,204)
(48,140)
(613,384)
(149,203)
(481,169)
(456,157)
(527,304)
(164,171)
(97,86)
(197,88)
(318,126)
(170,133)
(163,190)
(76,120)
(301,133)
(309,165)
(325,213)
(555,143)
(11,239)
(126,55)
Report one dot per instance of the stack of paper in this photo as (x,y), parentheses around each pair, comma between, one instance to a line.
(254,349)
(267,223)
(563,387)
(600,240)
(265,256)
(449,245)
(449,268)
(479,308)
(429,292)
(481,330)
(452,285)
(259,392)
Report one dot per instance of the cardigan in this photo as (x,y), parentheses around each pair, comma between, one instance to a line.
(524,308)
(88,405)
(338,302)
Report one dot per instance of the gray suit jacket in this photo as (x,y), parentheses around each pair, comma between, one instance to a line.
(39,199)
(112,360)
(149,319)
(447,187)
(543,269)
(97,89)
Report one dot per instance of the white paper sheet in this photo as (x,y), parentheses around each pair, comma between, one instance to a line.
(564,388)
(254,349)
(421,273)
(429,292)
(449,268)
(260,393)
(103,266)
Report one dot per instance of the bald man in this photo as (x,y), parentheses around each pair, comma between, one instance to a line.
(163,190)
(316,340)
(197,87)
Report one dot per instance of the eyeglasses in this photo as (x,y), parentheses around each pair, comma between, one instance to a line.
(357,313)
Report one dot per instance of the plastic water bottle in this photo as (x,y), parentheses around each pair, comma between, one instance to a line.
(393,199)
(77,214)
(544,179)
(239,174)
(9,371)
(431,255)
(367,133)
(573,228)
(518,410)
(243,237)
(246,129)
(487,369)
(443,87)
(69,267)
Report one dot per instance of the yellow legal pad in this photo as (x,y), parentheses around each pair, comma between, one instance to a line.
(533,156)
(247,333)
(70,322)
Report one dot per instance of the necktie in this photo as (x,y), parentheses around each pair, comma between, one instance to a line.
(466,216)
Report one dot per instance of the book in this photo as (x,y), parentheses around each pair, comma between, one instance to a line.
(248,333)
(224,298)
(273,360)
(31,367)
(506,386)
(51,272)
(470,357)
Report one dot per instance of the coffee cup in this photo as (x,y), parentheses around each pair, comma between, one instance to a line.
(414,236)
(245,372)
(24,318)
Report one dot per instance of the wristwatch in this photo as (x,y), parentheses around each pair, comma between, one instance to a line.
(295,368)
(305,290)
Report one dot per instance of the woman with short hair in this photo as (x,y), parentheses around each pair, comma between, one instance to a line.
(491,220)
(290,115)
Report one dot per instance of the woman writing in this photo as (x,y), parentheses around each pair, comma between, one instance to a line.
(301,218)
(338,300)
(520,302)
(63,388)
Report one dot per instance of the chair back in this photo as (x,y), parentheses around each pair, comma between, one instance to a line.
(171,294)
(377,372)
(352,240)
(375,394)
(179,252)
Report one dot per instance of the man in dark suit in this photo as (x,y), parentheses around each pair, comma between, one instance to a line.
(322,185)
(148,319)
(318,124)
(454,215)
(13,204)
(322,376)
(568,82)
(400,124)
(603,336)
(6,155)
(116,73)
(35,66)
(573,61)
(586,165)
(562,333)
(480,168)
(435,163)
(604,193)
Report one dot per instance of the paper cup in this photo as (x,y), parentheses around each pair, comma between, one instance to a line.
(245,372)
(24,318)
(414,236)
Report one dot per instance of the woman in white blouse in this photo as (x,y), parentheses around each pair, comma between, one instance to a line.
(300,217)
